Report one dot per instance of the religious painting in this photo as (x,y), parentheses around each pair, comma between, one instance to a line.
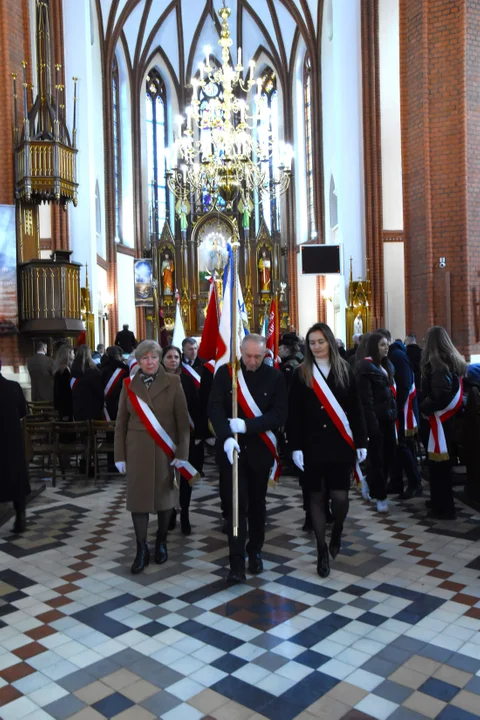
(167,270)
(8,271)
(264,268)
(143,282)
(212,240)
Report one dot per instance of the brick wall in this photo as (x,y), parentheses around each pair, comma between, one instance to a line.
(439,51)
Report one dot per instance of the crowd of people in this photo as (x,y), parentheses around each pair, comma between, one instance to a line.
(328,414)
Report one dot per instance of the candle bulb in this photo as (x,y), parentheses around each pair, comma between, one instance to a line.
(239,56)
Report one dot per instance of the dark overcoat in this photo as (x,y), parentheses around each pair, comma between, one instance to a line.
(13,470)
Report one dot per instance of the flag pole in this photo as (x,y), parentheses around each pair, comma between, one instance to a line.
(234,339)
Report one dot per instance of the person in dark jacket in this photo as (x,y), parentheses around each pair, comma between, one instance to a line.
(126,340)
(414,354)
(375,384)
(172,362)
(268,389)
(442,371)
(190,355)
(87,390)
(112,361)
(14,484)
(319,449)
(62,391)
(404,461)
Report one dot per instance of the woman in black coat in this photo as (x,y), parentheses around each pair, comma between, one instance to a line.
(172,362)
(376,387)
(14,484)
(442,371)
(62,391)
(112,361)
(319,449)
(87,391)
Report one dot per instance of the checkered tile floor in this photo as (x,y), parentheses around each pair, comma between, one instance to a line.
(394,632)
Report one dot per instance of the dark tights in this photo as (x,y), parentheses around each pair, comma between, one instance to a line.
(318,510)
(140,523)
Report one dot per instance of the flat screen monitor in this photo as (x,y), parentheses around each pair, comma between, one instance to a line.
(320,259)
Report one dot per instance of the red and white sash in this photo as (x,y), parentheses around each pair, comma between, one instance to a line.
(409,418)
(192,424)
(393,389)
(210,366)
(73,382)
(336,414)
(188,369)
(116,376)
(157,432)
(251,410)
(132,364)
(437,442)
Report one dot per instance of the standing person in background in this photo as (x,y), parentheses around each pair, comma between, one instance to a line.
(414,354)
(14,484)
(126,340)
(356,341)
(40,367)
(193,366)
(87,387)
(113,371)
(341,348)
(98,354)
(443,370)
(62,391)
(326,431)
(375,384)
(190,355)
(361,351)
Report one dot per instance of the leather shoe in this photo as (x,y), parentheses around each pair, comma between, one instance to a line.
(410,493)
(161,554)
(255,564)
(173,520)
(336,540)
(20,525)
(323,564)
(142,558)
(185,523)
(236,576)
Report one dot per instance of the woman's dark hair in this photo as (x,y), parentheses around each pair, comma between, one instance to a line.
(113,351)
(83,361)
(63,358)
(362,353)
(177,350)
(339,367)
(372,351)
(441,354)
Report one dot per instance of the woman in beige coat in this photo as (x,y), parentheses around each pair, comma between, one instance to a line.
(150,472)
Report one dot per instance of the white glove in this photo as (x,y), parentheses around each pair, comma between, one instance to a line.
(198,441)
(229,446)
(178,463)
(210,441)
(297,457)
(237,425)
(361,454)
(121,467)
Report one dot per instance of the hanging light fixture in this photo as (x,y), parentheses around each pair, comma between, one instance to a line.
(218,151)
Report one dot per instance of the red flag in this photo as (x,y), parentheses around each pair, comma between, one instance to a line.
(162,329)
(208,344)
(272,333)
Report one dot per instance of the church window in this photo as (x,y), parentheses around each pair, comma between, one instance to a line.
(117,152)
(156,149)
(268,141)
(308,147)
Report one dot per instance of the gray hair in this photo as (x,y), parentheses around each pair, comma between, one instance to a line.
(253,337)
(189,341)
(147,346)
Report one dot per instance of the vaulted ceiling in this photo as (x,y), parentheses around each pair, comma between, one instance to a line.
(179,29)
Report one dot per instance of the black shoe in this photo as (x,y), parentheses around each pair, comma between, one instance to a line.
(20,525)
(336,540)
(439,515)
(142,558)
(410,493)
(236,576)
(225,526)
(161,554)
(323,564)
(307,525)
(173,520)
(185,523)
(255,564)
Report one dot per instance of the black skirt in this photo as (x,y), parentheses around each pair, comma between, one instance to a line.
(331,476)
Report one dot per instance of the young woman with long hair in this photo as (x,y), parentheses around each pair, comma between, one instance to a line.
(87,387)
(326,432)
(442,369)
(376,387)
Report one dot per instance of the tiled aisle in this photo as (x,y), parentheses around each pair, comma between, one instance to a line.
(392,633)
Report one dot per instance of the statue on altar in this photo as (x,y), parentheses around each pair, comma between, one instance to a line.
(264,271)
(183,208)
(167,269)
(358,325)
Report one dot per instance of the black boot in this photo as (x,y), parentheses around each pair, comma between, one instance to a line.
(336,539)
(185,523)
(323,564)
(161,554)
(20,525)
(307,525)
(142,558)
(255,563)
(173,520)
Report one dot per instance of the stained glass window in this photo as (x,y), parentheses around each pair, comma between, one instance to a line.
(156,145)
(268,139)
(117,154)
(307,84)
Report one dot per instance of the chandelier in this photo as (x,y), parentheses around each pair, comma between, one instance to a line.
(219,151)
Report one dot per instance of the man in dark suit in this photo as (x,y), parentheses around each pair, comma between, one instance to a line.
(190,355)
(40,367)
(126,340)
(268,389)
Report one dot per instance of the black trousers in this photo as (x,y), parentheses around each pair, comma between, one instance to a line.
(252,491)
(404,462)
(381,451)
(195,457)
(441,493)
